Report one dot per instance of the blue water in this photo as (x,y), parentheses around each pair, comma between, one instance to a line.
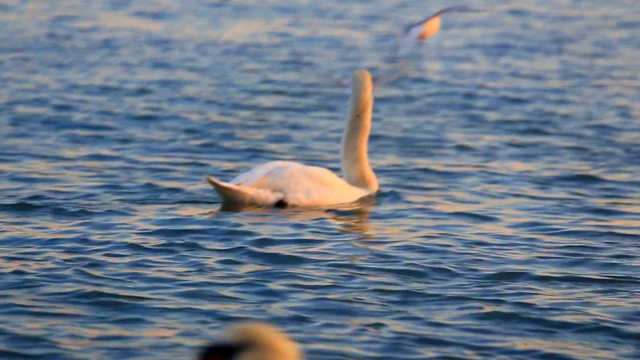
(508,226)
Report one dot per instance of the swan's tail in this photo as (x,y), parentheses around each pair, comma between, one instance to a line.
(241,195)
(228,192)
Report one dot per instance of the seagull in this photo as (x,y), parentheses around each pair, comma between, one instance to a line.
(413,35)
(430,26)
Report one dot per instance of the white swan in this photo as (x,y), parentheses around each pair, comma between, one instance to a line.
(283,183)
(253,341)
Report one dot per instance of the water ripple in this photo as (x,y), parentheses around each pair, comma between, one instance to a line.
(507,226)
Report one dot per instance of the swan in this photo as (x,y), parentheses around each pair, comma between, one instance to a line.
(288,183)
(253,341)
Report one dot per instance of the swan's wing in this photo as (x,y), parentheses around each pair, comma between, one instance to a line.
(303,185)
(251,177)
(290,182)
(296,177)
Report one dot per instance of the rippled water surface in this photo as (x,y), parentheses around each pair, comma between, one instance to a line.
(508,226)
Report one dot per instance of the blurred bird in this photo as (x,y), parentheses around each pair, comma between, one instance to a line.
(415,34)
(253,341)
(399,63)
(426,28)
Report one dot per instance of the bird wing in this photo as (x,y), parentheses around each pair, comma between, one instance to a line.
(460,8)
(429,26)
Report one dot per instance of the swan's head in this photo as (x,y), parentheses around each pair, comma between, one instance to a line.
(253,341)
(361,83)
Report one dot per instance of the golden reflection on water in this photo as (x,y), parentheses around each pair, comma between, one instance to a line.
(561,347)
(121,21)
(631,224)
(351,218)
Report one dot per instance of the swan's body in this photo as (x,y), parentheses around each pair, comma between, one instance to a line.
(253,341)
(282,183)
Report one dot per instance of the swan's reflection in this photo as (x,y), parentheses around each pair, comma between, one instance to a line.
(350,218)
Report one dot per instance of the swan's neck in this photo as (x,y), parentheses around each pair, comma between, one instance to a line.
(355,159)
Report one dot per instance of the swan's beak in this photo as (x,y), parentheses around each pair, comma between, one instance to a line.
(222,351)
